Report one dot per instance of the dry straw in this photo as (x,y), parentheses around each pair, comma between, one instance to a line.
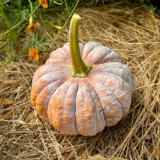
(135,35)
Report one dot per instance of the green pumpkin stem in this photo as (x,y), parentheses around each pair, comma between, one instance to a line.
(78,67)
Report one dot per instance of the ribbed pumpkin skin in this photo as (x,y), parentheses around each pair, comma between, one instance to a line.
(82,105)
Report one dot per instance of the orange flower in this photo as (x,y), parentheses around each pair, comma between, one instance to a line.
(43,3)
(32,28)
(34,54)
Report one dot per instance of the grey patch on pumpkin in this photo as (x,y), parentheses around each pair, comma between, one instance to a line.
(99,102)
(76,108)
(88,47)
(130,94)
(118,78)
(50,99)
(51,72)
(58,56)
(49,103)
(115,96)
(83,124)
(53,53)
(106,51)
(45,77)
(73,83)
(97,54)
(48,83)
(42,70)
(117,101)
(64,99)
(90,85)
(54,95)
(51,79)
(94,113)
(52,90)
(110,57)
(55,61)
(126,75)
(81,46)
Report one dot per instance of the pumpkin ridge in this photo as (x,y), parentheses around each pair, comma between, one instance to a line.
(98,100)
(85,54)
(64,99)
(85,111)
(99,47)
(33,100)
(91,87)
(85,104)
(63,102)
(63,81)
(83,107)
(52,61)
(123,67)
(58,50)
(50,109)
(89,52)
(75,105)
(49,73)
(102,57)
(78,115)
(43,70)
(45,87)
(123,107)
(94,105)
(114,97)
(101,54)
(124,84)
(58,81)
(59,56)
(64,107)
(76,108)
(117,58)
(111,74)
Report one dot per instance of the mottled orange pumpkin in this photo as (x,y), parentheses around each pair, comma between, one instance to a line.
(82,98)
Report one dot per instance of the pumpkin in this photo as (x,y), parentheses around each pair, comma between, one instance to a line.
(82,88)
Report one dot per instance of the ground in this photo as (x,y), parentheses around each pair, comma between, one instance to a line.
(134,34)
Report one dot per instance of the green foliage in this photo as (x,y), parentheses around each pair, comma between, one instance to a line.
(95,2)
(152,6)
(35,41)
(14,20)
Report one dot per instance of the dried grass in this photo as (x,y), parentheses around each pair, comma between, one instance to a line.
(135,35)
